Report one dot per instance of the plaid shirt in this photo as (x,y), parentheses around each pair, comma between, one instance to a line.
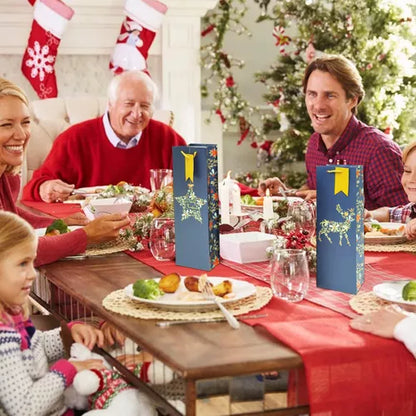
(403,213)
(363,145)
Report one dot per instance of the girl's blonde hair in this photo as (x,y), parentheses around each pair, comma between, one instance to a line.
(407,150)
(14,231)
(9,89)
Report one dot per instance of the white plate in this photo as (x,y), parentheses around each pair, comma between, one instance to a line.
(392,292)
(386,239)
(89,190)
(274,198)
(173,301)
(40,232)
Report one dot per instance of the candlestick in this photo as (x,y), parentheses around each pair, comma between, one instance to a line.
(224,190)
(236,199)
(268,206)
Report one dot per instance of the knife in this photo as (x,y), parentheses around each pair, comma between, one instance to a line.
(165,324)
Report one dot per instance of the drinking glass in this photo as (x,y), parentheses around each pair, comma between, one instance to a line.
(289,274)
(303,215)
(162,239)
(160,178)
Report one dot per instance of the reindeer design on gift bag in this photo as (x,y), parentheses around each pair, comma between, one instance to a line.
(338,227)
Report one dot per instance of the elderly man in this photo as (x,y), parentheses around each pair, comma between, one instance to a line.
(122,145)
(333,90)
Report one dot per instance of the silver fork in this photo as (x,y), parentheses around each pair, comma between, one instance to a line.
(208,294)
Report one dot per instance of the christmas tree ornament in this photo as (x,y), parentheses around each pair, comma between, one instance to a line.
(50,18)
(138,30)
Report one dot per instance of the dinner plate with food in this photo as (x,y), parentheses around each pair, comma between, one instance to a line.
(56,228)
(399,292)
(181,293)
(384,233)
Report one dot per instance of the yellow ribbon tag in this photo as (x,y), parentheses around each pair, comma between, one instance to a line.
(189,165)
(342,179)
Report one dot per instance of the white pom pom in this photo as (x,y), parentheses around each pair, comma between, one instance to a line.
(86,382)
(159,373)
(80,352)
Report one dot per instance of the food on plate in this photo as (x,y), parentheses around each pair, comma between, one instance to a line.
(195,284)
(409,290)
(191,283)
(147,289)
(223,288)
(170,282)
(376,229)
(57,227)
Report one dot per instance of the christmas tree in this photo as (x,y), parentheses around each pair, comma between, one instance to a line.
(377,35)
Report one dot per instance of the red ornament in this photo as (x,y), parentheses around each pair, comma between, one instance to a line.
(243,136)
(229,82)
(281,38)
(254,145)
(209,29)
(219,112)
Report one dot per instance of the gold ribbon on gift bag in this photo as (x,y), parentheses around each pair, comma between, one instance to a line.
(189,165)
(342,177)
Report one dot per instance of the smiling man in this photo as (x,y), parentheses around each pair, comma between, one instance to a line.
(333,90)
(122,145)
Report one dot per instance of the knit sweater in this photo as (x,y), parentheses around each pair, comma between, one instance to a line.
(27,386)
(82,155)
(50,248)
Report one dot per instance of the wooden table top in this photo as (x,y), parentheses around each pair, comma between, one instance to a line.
(195,350)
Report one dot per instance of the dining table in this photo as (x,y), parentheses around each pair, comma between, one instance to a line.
(332,369)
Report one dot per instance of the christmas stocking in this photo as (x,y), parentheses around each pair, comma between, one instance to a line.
(50,18)
(143,19)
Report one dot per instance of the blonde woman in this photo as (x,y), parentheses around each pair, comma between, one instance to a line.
(14,136)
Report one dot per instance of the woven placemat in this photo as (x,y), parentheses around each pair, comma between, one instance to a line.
(367,302)
(108,248)
(119,303)
(408,246)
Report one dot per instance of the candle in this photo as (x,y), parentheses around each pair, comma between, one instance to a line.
(236,199)
(224,195)
(267,206)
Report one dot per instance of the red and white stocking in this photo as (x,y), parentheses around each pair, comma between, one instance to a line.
(143,19)
(50,18)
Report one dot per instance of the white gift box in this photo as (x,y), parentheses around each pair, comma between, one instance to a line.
(247,247)
(101,206)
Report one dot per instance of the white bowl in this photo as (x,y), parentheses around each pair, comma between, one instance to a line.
(102,206)
(247,247)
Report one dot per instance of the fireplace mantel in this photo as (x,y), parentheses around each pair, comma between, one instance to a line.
(93,31)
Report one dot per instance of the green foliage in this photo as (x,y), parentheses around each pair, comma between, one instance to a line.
(375,34)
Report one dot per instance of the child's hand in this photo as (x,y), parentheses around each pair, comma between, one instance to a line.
(410,229)
(93,363)
(112,335)
(87,335)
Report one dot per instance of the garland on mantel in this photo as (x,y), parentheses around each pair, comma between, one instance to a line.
(377,35)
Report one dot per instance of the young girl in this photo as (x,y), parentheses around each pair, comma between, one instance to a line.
(405,213)
(27,385)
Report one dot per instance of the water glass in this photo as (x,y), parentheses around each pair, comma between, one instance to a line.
(162,239)
(289,274)
(160,178)
(303,215)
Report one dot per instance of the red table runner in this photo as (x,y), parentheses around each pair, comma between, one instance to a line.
(58,210)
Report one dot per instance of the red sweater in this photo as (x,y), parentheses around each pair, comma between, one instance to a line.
(82,155)
(50,248)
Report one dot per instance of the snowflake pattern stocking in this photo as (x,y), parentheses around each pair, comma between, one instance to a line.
(50,18)
(143,19)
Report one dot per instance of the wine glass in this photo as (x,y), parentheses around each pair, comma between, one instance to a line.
(162,239)
(303,214)
(289,274)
